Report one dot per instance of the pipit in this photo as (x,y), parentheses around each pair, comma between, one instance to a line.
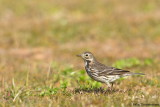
(102,73)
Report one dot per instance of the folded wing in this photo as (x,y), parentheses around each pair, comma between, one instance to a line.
(113,71)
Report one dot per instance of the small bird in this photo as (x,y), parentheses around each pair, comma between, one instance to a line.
(102,73)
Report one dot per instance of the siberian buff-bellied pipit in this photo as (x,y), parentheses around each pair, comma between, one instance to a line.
(101,72)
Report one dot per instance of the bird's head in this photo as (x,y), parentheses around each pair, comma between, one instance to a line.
(87,56)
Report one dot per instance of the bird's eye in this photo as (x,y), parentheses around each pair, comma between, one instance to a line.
(86,54)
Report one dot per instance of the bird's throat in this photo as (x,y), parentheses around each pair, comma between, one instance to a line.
(88,63)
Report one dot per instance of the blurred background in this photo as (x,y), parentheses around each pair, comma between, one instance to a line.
(38,36)
(103,26)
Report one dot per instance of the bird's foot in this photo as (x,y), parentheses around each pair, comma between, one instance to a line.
(109,89)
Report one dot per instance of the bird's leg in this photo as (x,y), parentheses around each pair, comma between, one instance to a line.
(109,85)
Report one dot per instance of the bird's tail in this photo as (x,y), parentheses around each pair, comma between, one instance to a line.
(138,74)
(129,74)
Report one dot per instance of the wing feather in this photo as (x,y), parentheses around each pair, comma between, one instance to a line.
(112,71)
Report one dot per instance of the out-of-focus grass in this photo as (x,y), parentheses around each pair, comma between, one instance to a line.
(45,23)
(132,62)
(39,40)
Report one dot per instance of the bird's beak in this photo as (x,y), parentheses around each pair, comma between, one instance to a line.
(79,55)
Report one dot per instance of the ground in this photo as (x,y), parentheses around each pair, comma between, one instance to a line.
(40,40)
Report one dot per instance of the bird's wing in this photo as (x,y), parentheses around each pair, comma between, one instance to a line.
(112,71)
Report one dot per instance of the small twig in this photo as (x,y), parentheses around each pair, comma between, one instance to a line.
(19,92)
(49,70)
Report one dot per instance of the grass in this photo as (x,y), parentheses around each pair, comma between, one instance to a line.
(39,41)
(29,88)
